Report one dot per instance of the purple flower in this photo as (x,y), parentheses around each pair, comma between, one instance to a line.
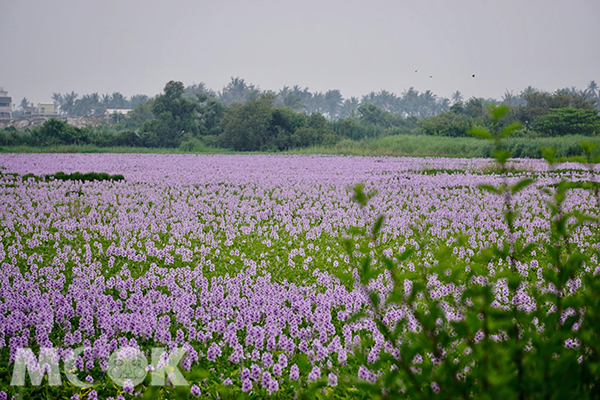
(195,391)
(267,360)
(266,378)
(332,379)
(294,373)
(314,374)
(246,385)
(273,386)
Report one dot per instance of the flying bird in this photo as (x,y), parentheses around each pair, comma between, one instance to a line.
(430,76)
(473,75)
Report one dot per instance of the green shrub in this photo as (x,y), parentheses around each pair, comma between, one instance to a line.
(568,121)
(538,340)
(445,124)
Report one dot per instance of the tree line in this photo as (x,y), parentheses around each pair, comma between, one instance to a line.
(242,117)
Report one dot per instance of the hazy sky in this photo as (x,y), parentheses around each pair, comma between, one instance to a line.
(355,46)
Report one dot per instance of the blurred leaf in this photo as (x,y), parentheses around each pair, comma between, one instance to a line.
(377,225)
(501,155)
(489,188)
(549,153)
(522,184)
(498,112)
(510,129)
(588,147)
(480,133)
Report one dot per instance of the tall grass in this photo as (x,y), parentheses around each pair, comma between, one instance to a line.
(399,145)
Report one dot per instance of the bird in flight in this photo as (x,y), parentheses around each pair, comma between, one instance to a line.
(473,75)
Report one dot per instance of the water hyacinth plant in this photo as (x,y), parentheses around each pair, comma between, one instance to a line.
(496,324)
(255,266)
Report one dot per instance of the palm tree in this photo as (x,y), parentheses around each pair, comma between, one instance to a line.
(443,105)
(428,102)
(119,101)
(592,87)
(57,99)
(292,101)
(457,97)
(106,100)
(333,102)
(529,90)
(138,99)
(24,103)
(68,102)
(508,98)
(349,108)
(237,91)
(316,103)
(410,101)
(386,100)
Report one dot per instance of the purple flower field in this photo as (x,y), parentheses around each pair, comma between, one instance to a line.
(234,258)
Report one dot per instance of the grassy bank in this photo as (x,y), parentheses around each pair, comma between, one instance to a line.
(400,145)
(409,145)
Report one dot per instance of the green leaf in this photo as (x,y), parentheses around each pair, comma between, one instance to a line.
(588,147)
(377,225)
(480,133)
(501,155)
(578,159)
(522,184)
(549,153)
(359,194)
(489,188)
(498,112)
(510,129)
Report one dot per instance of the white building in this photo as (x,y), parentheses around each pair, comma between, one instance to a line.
(5,104)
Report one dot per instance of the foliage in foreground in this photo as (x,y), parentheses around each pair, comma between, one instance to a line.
(504,333)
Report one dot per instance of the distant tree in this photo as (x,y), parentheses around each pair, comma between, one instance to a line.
(57,100)
(316,103)
(374,115)
(117,100)
(568,121)
(57,132)
(427,104)
(238,91)
(411,102)
(350,108)
(304,95)
(538,103)
(293,101)
(174,116)
(24,103)
(140,114)
(192,91)
(245,126)
(443,105)
(445,124)
(138,99)
(106,99)
(68,104)
(593,87)
(210,115)
(333,102)
(457,97)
